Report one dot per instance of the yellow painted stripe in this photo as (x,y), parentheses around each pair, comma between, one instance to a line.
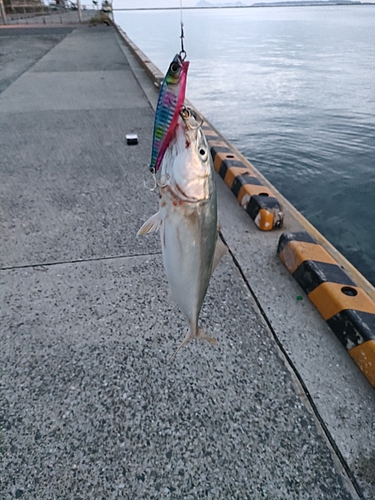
(216,142)
(219,158)
(364,356)
(218,161)
(223,155)
(329,299)
(296,252)
(248,190)
(210,134)
(232,173)
(264,220)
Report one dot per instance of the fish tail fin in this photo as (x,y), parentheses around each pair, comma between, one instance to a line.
(190,335)
(203,335)
(194,333)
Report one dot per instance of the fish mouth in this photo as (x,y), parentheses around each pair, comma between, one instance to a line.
(179,196)
(184,196)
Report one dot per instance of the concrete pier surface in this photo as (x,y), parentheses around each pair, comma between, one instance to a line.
(90,407)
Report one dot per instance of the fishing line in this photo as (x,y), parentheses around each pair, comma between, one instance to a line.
(182,51)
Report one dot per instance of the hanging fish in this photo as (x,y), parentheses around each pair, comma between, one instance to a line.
(170,102)
(187,220)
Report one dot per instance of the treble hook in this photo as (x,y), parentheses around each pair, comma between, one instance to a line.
(152,170)
(157,184)
(187,113)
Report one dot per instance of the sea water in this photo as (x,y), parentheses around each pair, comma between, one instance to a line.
(293,88)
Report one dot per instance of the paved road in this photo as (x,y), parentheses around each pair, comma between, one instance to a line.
(90,407)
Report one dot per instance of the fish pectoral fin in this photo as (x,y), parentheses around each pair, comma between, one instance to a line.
(151,225)
(200,334)
(220,251)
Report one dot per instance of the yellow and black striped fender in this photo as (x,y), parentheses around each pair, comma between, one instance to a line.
(348,309)
(257,199)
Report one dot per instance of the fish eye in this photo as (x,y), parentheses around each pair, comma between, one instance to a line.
(203,152)
(174,67)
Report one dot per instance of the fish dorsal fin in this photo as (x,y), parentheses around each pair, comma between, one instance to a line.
(220,251)
(151,225)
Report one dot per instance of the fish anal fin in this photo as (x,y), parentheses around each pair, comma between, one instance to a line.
(220,251)
(151,225)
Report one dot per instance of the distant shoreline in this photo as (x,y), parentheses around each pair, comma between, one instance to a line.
(259,5)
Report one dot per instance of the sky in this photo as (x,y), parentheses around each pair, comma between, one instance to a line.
(147,4)
(133,4)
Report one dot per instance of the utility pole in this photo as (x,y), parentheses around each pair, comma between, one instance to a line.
(3,15)
(79,11)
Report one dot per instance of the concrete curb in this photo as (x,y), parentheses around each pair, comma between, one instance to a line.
(342,295)
(242,179)
(347,309)
(152,71)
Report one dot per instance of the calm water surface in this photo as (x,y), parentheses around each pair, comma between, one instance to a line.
(294,89)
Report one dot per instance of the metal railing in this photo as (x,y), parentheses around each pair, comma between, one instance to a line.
(35,13)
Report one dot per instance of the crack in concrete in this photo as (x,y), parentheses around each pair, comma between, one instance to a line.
(78,261)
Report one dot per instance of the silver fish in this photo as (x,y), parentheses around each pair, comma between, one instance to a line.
(187,220)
